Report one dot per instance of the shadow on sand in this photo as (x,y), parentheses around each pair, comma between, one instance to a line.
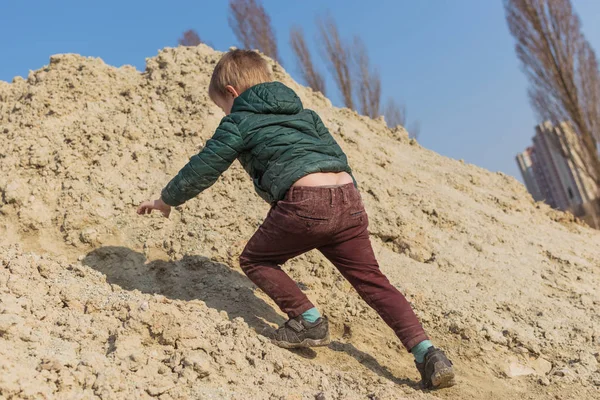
(217,285)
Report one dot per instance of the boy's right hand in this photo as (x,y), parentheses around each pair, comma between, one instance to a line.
(147,206)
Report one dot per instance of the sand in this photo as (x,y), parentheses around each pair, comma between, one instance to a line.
(97,302)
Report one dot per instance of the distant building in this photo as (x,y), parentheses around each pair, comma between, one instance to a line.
(552,169)
(525,161)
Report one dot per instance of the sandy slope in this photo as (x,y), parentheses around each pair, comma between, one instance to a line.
(97,302)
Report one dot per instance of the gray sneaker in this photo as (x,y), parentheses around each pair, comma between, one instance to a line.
(297,332)
(436,370)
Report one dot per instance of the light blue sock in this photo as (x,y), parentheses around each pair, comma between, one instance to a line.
(420,350)
(311,315)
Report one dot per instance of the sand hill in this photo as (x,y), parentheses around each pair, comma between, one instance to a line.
(98,302)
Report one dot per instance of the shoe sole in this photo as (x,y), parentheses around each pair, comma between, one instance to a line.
(443,378)
(303,344)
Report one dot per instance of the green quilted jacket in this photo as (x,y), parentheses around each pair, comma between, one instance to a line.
(275,139)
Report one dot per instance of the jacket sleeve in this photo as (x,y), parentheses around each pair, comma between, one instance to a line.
(204,168)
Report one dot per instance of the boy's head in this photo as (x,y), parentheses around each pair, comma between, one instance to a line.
(235,72)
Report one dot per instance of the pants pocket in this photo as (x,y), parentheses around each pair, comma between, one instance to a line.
(312,218)
(314,212)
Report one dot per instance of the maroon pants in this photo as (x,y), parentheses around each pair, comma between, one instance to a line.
(332,220)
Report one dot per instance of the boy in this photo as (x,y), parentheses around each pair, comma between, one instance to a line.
(298,168)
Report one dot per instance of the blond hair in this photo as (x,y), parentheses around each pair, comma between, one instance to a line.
(241,69)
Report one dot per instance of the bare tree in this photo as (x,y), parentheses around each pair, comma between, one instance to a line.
(353,74)
(561,68)
(312,77)
(588,81)
(394,114)
(368,81)
(414,131)
(240,23)
(189,38)
(252,26)
(337,56)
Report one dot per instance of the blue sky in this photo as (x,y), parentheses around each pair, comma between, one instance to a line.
(452,62)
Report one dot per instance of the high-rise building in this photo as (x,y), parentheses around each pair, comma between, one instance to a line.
(525,161)
(552,169)
(587,188)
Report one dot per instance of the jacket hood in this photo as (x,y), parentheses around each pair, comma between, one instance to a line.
(268,98)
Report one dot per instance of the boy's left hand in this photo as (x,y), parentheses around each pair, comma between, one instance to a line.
(147,207)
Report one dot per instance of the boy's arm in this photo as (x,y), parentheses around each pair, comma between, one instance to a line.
(204,168)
